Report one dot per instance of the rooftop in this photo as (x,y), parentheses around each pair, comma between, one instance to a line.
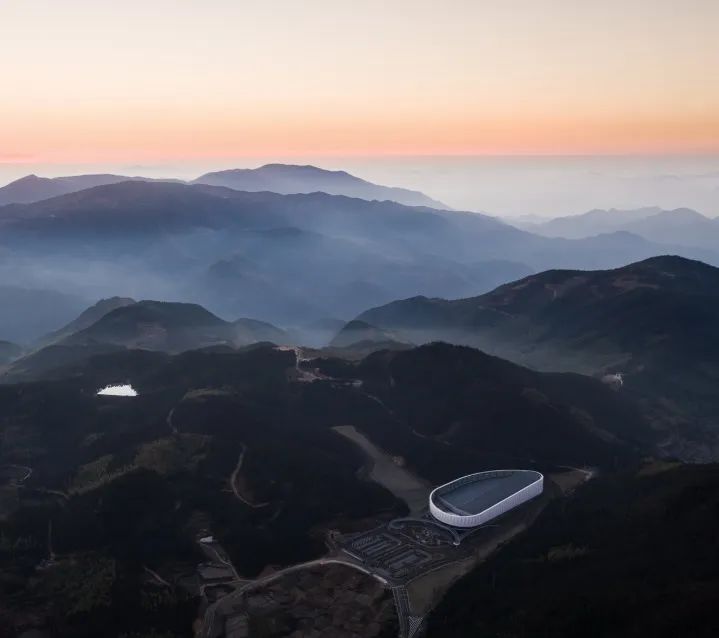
(474,494)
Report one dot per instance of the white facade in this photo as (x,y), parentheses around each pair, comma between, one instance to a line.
(508,503)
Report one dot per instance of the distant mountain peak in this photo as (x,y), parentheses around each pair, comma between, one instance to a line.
(309,168)
(679,227)
(31,188)
(288,179)
(88,316)
(605,314)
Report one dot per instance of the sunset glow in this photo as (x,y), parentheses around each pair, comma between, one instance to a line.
(99,81)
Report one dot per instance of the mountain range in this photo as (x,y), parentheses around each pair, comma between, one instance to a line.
(235,436)
(651,322)
(118,323)
(131,484)
(628,328)
(681,226)
(277,178)
(31,188)
(290,260)
(170,327)
(633,327)
(475,345)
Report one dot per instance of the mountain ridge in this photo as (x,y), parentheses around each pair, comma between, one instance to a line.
(277,178)
(679,225)
(227,249)
(291,179)
(632,321)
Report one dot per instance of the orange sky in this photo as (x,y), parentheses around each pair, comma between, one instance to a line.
(97,80)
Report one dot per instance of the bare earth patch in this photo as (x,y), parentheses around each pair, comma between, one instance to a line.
(389,471)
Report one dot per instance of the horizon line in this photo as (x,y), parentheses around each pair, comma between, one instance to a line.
(18,160)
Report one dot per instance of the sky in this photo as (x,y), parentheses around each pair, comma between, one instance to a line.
(85,81)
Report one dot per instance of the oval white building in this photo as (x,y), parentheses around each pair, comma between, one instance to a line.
(476,499)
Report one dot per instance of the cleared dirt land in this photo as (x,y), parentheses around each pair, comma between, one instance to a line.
(388,472)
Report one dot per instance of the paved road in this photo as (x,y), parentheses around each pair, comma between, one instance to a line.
(589,472)
(157,576)
(409,624)
(222,559)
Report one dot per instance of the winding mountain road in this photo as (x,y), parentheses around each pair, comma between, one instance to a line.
(23,473)
(233,481)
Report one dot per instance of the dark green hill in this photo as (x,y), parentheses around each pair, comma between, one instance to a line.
(54,361)
(549,299)
(156,325)
(627,556)
(172,327)
(150,325)
(496,412)
(131,482)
